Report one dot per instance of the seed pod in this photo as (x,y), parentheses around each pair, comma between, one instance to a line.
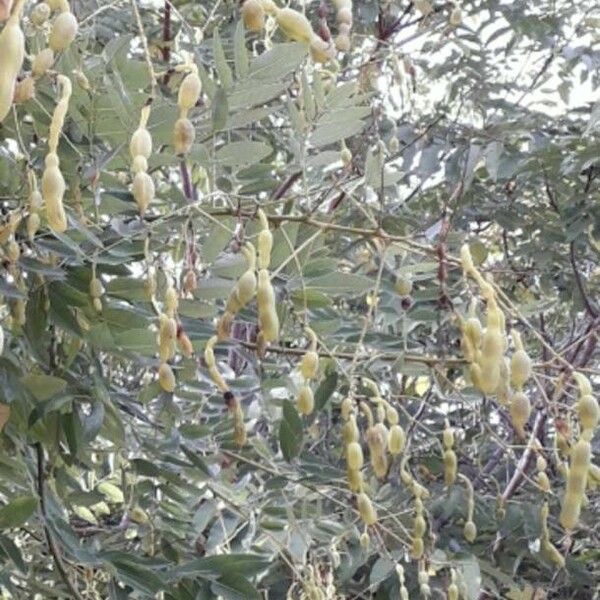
(452,592)
(350,432)
(585,387)
(167,327)
(82,80)
(450,463)
(189,92)
(588,411)
(253,15)
(64,31)
(12,54)
(367,512)
(97,304)
(380,465)
(320,50)
(377,438)
(576,484)
(139,164)
(305,401)
(40,13)
(417,548)
(184,135)
(520,368)
(33,225)
(13,251)
(96,288)
(470,531)
(448,436)
(143,191)
(419,526)
(294,25)
(520,410)
(171,301)
(141,140)
(185,345)
(265,242)
(53,190)
(267,315)
(246,287)
(24,90)
(355,480)
(346,408)
(543,481)
(354,456)
(309,365)
(43,61)
(473,330)
(396,440)
(166,378)
(403,285)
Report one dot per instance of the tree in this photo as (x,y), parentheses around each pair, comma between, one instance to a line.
(393,398)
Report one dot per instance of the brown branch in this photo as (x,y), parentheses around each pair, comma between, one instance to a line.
(166,48)
(523,464)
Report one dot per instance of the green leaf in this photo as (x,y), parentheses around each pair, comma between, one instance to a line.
(326,388)
(43,387)
(240,53)
(242,153)
(220,109)
(291,431)
(17,511)
(233,586)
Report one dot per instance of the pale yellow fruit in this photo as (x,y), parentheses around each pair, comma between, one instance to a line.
(64,31)
(184,135)
(294,25)
(305,401)
(354,456)
(253,15)
(309,365)
(43,61)
(365,507)
(166,378)
(189,91)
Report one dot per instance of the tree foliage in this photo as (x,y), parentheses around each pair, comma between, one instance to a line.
(444,132)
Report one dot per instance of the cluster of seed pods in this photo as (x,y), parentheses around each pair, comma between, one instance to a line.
(490,370)
(140,149)
(294,25)
(190,89)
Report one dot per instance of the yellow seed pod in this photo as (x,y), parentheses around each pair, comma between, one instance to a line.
(396,440)
(64,31)
(309,365)
(246,288)
(504,391)
(43,61)
(576,484)
(473,330)
(419,526)
(96,288)
(450,463)
(166,378)
(33,225)
(342,42)
(350,432)
(294,25)
(12,54)
(417,548)
(97,304)
(469,352)
(377,438)
(355,480)
(585,387)
(53,190)
(320,50)
(189,92)
(184,135)
(305,401)
(520,410)
(492,345)
(82,80)
(24,90)
(267,315)
(448,436)
(171,301)
(380,465)
(552,553)
(588,411)
(354,456)
(466,260)
(346,408)
(470,531)
(141,140)
(452,592)
(489,376)
(403,285)
(143,190)
(543,481)
(185,345)
(139,164)
(40,13)
(167,327)
(520,368)
(366,509)
(540,463)
(265,241)
(253,15)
